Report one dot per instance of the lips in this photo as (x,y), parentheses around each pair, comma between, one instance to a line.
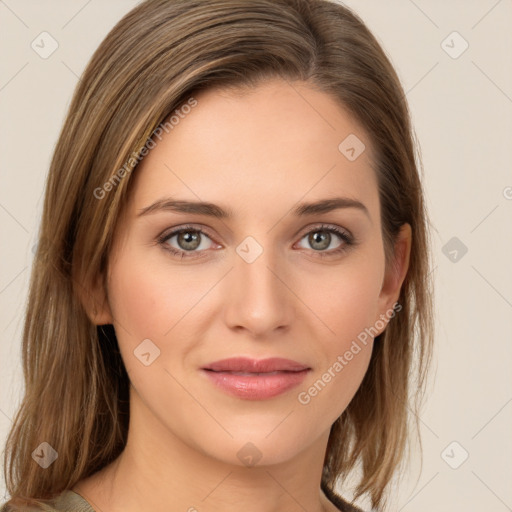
(253,379)
(244,364)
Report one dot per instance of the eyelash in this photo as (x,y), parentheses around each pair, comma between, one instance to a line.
(348,241)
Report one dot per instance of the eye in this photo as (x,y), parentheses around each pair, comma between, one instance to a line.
(323,237)
(186,241)
(190,241)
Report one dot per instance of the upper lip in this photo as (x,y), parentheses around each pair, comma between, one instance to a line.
(246,364)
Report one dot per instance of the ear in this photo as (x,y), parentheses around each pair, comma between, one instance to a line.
(395,273)
(95,302)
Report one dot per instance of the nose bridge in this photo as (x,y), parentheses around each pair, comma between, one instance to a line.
(258,300)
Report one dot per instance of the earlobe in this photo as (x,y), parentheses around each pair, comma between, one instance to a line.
(396,271)
(95,303)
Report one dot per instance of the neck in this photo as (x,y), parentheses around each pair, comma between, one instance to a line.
(158,469)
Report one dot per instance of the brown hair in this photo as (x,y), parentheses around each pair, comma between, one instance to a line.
(153,60)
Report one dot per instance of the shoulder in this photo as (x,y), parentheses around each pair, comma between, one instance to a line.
(66,501)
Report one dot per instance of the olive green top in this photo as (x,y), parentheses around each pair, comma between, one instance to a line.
(70,501)
(66,501)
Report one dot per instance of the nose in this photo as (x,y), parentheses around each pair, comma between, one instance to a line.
(258,299)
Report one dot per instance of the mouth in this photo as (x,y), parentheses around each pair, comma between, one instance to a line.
(252,379)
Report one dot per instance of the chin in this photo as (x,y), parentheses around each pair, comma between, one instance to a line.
(260,446)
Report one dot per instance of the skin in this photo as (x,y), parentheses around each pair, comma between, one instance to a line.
(257,154)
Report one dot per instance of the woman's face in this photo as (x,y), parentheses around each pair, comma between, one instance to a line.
(260,273)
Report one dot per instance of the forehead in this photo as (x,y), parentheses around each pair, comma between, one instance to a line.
(274,143)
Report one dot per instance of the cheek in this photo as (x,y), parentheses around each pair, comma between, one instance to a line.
(149,299)
(348,306)
(138,304)
(346,298)
(343,356)
(153,300)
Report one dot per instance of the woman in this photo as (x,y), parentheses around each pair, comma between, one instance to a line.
(231,278)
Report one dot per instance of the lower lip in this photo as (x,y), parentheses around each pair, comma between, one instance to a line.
(257,386)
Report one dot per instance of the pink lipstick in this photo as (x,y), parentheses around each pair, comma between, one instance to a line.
(253,379)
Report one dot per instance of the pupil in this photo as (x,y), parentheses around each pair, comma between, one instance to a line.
(189,240)
(321,237)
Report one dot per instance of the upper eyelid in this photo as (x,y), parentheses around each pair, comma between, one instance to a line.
(176,231)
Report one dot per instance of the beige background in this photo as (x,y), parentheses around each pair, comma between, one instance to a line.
(462,110)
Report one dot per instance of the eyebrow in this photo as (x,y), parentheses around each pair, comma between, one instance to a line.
(213,210)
